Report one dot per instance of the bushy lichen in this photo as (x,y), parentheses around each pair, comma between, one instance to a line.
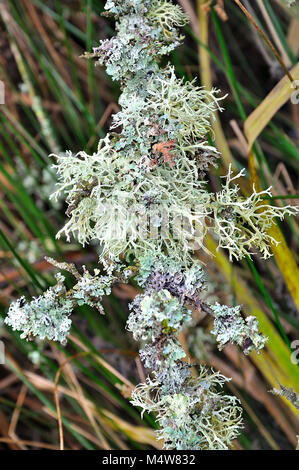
(48,316)
(241,224)
(197,417)
(230,327)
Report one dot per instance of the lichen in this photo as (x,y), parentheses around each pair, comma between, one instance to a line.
(144,197)
(198,417)
(231,328)
(48,316)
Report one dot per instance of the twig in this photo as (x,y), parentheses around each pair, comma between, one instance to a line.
(273,49)
(61,440)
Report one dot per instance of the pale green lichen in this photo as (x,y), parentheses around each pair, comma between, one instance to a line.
(48,316)
(152,314)
(241,224)
(231,328)
(168,16)
(200,417)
